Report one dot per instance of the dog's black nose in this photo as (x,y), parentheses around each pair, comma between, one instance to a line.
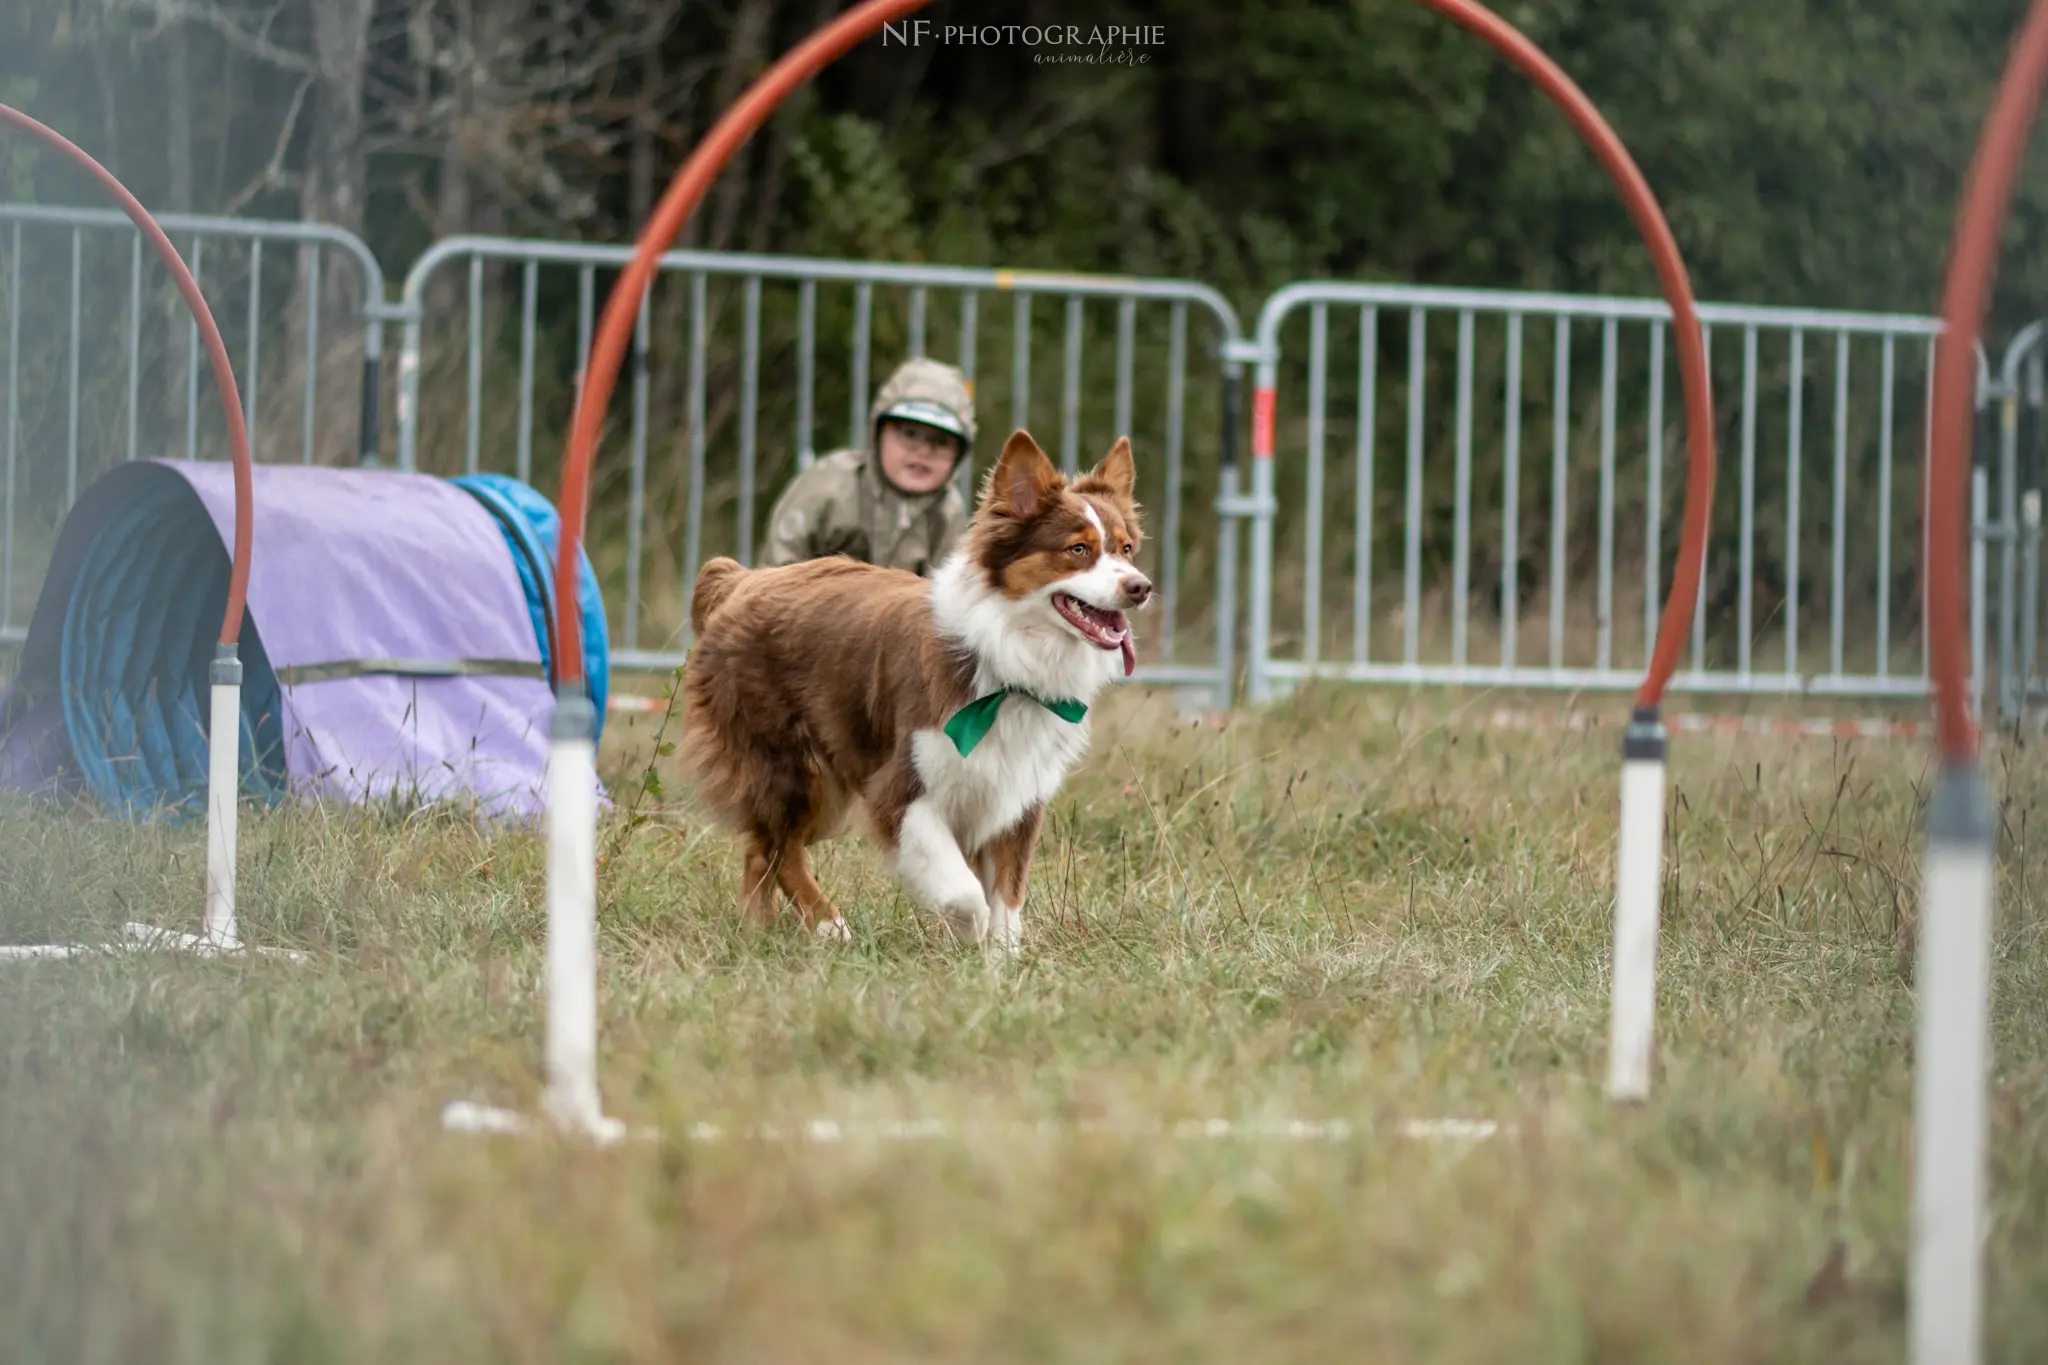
(1137,590)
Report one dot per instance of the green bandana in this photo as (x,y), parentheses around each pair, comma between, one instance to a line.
(972,721)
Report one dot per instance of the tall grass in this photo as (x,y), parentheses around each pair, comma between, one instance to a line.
(1355,906)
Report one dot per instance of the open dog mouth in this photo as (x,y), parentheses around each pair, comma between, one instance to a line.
(1103,629)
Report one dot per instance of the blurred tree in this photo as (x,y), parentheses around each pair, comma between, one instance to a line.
(1805,152)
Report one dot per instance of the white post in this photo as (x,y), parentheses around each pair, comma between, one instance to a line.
(572,1099)
(1950,1061)
(1638,883)
(223,786)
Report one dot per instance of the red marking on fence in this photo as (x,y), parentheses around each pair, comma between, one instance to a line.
(1263,402)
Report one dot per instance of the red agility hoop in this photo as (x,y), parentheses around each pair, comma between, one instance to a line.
(223,765)
(216,355)
(572,1026)
(1953,976)
(623,305)
(830,42)
(1689,336)
(1966,292)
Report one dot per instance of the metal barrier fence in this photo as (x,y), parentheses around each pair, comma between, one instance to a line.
(738,407)
(1441,538)
(103,364)
(1820,534)
(2010,518)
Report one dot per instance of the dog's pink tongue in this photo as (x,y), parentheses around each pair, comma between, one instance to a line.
(1130,655)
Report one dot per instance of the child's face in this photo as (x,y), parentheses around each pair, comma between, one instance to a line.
(915,457)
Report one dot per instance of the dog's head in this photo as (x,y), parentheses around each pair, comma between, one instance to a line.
(1067,550)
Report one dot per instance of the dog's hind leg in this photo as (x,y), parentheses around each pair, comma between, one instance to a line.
(793,874)
(777,810)
(757,883)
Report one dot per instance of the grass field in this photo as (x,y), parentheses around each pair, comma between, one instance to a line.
(1357,907)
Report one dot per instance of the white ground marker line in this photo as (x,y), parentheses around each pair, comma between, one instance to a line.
(143,938)
(462,1116)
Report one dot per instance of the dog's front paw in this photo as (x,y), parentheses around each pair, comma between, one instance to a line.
(1005,931)
(966,916)
(832,930)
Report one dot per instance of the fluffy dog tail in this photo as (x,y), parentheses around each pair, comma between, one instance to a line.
(715,582)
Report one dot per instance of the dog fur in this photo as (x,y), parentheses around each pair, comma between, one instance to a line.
(815,697)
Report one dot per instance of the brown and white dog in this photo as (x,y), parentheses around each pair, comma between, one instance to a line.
(941,715)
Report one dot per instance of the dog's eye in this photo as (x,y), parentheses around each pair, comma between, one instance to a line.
(1128,550)
(1078,548)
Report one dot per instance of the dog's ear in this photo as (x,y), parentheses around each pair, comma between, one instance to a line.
(1115,476)
(1023,482)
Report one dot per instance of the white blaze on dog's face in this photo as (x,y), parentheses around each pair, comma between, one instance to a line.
(1070,548)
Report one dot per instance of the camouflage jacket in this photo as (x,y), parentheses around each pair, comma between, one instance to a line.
(842,505)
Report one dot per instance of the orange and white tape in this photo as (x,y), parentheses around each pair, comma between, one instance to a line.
(615,702)
(1787,727)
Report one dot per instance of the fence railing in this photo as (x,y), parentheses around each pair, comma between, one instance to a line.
(1508,493)
(103,363)
(1460,487)
(2006,490)
(741,363)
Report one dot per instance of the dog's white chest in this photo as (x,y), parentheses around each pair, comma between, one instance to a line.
(1017,765)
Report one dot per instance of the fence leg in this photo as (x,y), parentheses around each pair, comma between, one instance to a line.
(2009,681)
(368,438)
(2030,596)
(1226,593)
(1226,541)
(1980,530)
(1259,625)
(409,391)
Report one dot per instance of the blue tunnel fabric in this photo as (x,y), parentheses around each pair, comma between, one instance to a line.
(533,529)
(137,646)
(113,690)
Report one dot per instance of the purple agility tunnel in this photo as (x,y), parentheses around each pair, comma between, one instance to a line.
(398,647)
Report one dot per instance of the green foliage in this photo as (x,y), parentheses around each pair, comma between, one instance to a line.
(859,202)
(649,787)
(1804,153)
